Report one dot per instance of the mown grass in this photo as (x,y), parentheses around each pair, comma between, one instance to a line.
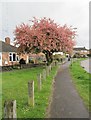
(0,96)
(82,82)
(15,87)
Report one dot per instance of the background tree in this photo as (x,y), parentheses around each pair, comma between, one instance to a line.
(44,35)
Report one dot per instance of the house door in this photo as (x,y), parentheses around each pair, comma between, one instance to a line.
(0,59)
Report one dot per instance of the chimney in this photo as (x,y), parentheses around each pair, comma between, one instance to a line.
(7,40)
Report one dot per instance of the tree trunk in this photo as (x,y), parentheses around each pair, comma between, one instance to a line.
(49,58)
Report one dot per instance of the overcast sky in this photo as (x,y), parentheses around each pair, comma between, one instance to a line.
(63,12)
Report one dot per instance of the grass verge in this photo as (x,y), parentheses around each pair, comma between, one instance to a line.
(14,87)
(0,96)
(82,81)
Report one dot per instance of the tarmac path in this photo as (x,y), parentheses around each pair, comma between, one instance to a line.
(66,103)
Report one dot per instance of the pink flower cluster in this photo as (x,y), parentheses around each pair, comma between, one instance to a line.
(45,34)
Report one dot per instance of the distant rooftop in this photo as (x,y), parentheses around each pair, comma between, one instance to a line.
(4,47)
(79,48)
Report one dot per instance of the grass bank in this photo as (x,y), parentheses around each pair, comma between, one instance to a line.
(82,81)
(0,96)
(15,86)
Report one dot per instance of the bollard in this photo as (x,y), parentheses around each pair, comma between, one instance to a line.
(52,64)
(50,67)
(47,71)
(10,109)
(44,74)
(31,93)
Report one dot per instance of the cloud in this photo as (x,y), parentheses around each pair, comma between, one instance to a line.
(70,13)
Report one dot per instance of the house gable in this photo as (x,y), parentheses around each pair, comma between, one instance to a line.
(5,50)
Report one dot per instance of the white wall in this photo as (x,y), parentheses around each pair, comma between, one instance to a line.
(0,58)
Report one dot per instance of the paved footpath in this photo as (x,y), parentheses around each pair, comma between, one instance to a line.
(66,102)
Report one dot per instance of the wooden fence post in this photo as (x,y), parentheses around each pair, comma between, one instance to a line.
(51,65)
(31,93)
(39,82)
(10,109)
(71,62)
(57,64)
(47,71)
(44,74)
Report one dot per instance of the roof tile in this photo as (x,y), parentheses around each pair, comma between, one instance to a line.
(4,47)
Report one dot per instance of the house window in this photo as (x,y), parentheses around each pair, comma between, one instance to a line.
(12,57)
